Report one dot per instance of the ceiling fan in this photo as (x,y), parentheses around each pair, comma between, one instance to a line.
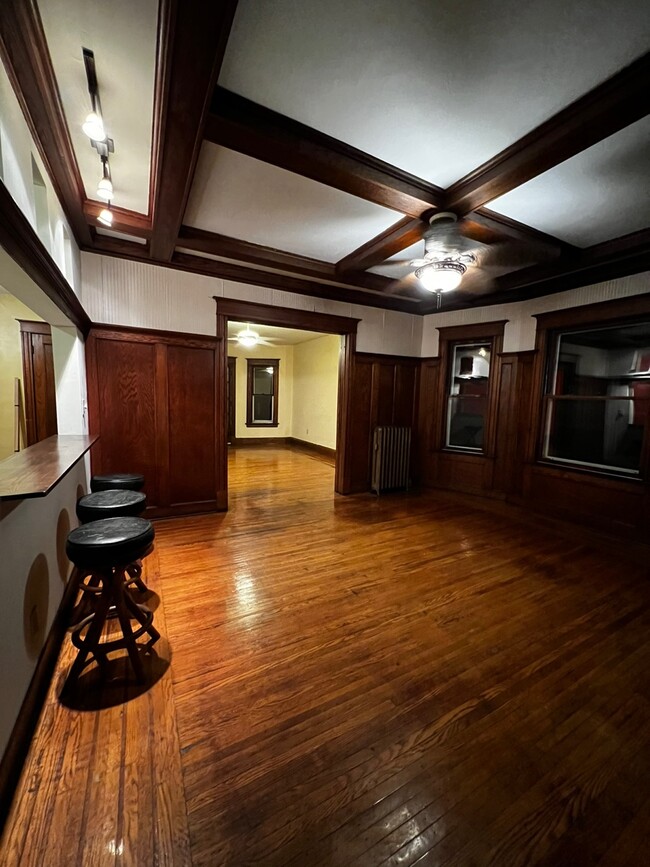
(451,260)
(249,338)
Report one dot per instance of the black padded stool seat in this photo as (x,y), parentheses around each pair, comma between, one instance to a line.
(111,504)
(115,481)
(102,552)
(109,543)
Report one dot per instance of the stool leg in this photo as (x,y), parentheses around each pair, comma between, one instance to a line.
(138,614)
(134,571)
(125,623)
(94,631)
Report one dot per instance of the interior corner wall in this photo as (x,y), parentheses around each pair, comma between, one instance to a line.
(315,390)
(121,292)
(285,390)
(520,330)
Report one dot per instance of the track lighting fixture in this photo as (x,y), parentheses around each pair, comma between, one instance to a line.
(105,186)
(93,126)
(106,216)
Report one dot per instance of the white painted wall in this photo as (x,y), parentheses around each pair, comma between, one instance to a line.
(119,292)
(520,330)
(33,531)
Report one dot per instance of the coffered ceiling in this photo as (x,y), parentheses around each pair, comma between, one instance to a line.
(304,145)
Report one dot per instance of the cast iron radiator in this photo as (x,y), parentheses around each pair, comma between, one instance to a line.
(391,458)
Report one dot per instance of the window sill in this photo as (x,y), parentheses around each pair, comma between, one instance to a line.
(257,424)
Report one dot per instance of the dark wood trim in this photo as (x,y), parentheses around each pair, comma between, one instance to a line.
(305,446)
(615,311)
(191,48)
(287,317)
(267,257)
(606,109)
(343,475)
(475,331)
(27,328)
(24,246)
(377,357)
(248,128)
(251,364)
(393,240)
(27,60)
(152,335)
(11,764)
(129,222)
(31,326)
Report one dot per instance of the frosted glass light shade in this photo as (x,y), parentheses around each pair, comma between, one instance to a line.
(105,217)
(248,338)
(435,279)
(105,189)
(93,126)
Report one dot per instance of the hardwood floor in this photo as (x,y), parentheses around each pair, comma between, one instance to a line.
(357,681)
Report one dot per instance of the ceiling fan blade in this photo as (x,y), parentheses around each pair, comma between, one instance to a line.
(512,255)
(477,282)
(396,263)
(408,286)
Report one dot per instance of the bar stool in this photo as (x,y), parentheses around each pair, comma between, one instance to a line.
(120,503)
(103,550)
(117,481)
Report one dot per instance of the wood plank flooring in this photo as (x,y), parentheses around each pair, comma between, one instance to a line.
(407,680)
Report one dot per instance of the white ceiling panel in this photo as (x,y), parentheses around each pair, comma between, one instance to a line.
(280,336)
(599,194)
(122,35)
(245,198)
(431,86)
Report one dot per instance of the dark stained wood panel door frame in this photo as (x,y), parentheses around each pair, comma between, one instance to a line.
(39,387)
(266,314)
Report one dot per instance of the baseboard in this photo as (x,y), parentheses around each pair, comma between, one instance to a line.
(11,764)
(312,447)
(259,441)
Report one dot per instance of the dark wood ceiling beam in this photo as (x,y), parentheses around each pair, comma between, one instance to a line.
(192,43)
(267,257)
(129,222)
(251,129)
(393,240)
(27,60)
(608,108)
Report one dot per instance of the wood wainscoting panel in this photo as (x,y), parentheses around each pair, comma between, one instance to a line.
(192,417)
(155,400)
(384,392)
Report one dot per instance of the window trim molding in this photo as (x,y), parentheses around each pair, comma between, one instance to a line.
(251,364)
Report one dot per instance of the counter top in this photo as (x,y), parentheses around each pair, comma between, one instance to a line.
(34,471)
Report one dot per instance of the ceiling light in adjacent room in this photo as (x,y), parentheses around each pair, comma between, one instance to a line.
(93,126)
(248,338)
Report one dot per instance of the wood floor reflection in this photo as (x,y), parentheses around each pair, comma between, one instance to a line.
(358,681)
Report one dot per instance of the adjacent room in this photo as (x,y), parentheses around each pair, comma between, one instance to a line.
(324,433)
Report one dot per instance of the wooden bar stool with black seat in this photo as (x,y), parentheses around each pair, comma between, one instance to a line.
(116,503)
(117,481)
(103,550)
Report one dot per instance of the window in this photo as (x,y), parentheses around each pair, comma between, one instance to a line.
(597,398)
(40,206)
(262,392)
(467,395)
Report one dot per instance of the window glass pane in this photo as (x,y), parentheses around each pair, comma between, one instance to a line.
(263,380)
(263,407)
(612,366)
(465,421)
(598,433)
(468,390)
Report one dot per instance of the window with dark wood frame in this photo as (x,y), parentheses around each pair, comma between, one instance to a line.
(262,392)
(468,387)
(595,390)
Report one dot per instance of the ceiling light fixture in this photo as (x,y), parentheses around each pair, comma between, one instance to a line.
(248,337)
(93,126)
(106,216)
(105,186)
(441,276)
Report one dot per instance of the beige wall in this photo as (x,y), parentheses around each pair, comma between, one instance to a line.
(315,390)
(11,366)
(285,389)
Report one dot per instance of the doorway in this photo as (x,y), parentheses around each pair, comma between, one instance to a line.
(38,381)
(344,327)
